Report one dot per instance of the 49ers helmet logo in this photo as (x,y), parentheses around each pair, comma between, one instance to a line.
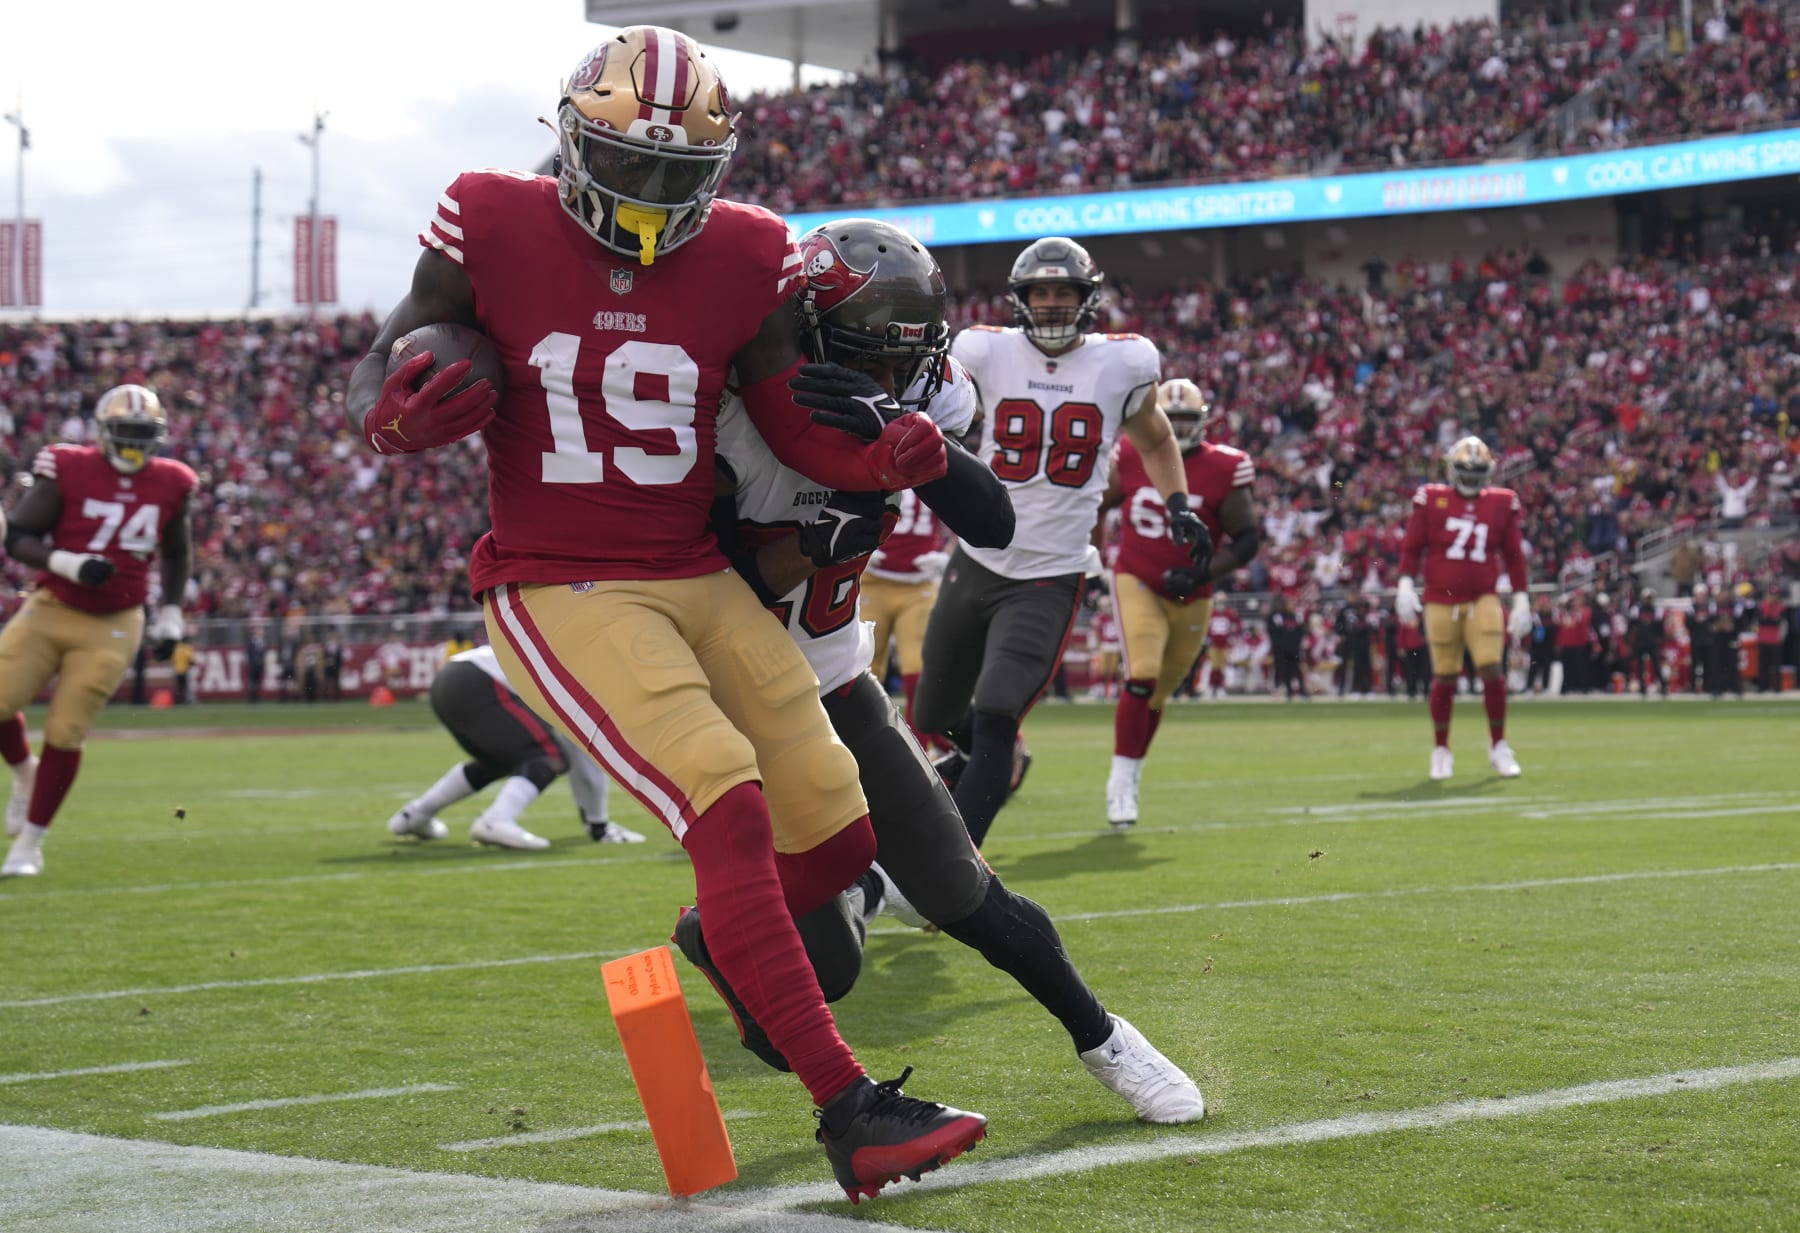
(657,132)
(830,280)
(588,71)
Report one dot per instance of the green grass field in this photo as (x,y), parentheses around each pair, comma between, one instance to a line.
(1565,1002)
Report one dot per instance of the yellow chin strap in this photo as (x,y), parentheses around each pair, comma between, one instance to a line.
(648,224)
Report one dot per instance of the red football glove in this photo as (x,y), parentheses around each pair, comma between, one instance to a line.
(404,420)
(909,452)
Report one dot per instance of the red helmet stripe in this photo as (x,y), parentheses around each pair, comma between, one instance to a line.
(680,56)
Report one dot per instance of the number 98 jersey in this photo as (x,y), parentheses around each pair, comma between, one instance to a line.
(1048,433)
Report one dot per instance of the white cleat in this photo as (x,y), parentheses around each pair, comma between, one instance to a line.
(1443,764)
(406,822)
(25,859)
(1122,792)
(1157,1088)
(1500,757)
(505,833)
(611,832)
(896,905)
(24,776)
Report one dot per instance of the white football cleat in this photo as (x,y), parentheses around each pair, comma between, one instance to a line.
(505,833)
(1500,757)
(1443,764)
(1122,792)
(1157,1088)
(24,776)
(896,905)
(25,859)
(611,832)
(407,822)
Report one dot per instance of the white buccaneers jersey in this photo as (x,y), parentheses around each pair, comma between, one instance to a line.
(1048,434)
(822,613)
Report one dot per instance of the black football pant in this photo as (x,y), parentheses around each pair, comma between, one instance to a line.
(992,646)
(923,846)
(498,732)
(1288,674)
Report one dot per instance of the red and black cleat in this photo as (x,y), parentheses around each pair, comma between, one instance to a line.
(692,943)
(895,1136)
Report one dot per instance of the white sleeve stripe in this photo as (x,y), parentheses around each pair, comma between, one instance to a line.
(792,258)
(449,203)
(447,227)
(1244,476)
(786,282)
(449,250)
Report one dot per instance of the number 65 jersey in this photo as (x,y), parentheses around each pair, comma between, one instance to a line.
(1048,434)
(1463,542)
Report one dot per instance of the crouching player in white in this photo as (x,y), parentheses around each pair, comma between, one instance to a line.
(874,306)
(1163,590)
(504,741)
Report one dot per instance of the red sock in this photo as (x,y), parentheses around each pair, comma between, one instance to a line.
(753,940)
(1443,701)
(1493,694)
(1132,725)
(55,775)
(13,745)
(809,879)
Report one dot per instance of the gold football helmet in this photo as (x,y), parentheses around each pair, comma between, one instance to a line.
(131,426)
(1186,406)
(1469,463)
(644,134)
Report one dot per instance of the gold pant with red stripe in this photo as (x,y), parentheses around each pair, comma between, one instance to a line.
(900,611)
(1477,626)
(682,688)
(86,653)
(1162,638)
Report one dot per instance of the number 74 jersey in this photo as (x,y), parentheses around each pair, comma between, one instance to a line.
(1463,543)
(1048,433)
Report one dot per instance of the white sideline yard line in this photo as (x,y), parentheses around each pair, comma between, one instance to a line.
(324,1098)
(119,1069)
(1284,901)
(151,1187)
(572,1132)
(1176,1143)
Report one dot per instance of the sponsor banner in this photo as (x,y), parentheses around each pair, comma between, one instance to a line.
(303,270)
(328,261)
(219,673)
(1712,160)
(9,279)
(31,264)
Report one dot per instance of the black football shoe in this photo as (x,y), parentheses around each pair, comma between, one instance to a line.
(688,938)
(949,766)
(894,1136)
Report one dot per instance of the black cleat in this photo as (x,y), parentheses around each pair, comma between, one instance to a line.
(895,1136)
(688,939)
(949,766)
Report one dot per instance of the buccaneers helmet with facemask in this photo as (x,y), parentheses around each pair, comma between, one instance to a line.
(873,291)
(1469,463)
(1055,260)
(130,425)
(644,134)
(1186,406)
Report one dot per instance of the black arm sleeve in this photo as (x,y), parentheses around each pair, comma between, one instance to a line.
(971,500)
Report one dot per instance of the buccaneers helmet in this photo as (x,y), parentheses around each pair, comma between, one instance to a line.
(1469,463)
(1055,260)
(131,426)
(644,134)
(873,290)
(1187,409)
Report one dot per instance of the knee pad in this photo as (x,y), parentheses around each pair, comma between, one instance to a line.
(1140,689)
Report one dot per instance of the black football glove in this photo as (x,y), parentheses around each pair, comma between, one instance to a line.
(844,399)
(1181,583)
(847,528)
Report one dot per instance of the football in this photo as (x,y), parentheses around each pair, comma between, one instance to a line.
(449,343)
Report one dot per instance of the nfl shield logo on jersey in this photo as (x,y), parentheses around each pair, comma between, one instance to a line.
(621,282)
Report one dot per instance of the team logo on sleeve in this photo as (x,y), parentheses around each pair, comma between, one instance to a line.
(620,282)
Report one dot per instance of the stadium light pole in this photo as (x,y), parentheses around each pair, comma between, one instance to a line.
(311,140)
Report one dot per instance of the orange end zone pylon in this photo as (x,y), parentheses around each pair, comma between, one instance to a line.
(669,1070)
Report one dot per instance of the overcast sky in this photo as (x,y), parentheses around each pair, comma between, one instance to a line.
(147,120)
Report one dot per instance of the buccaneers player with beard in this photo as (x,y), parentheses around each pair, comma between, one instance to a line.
(92,520)
(1465,531)
(619,293)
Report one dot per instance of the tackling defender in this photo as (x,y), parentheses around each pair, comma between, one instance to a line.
(1163,593)
(1464,532)
(92,520)
(1055,396)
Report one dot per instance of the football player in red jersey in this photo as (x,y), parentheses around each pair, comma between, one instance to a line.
(1464,532)
(899,588)
(620,292)
(1164,595)
(92,521)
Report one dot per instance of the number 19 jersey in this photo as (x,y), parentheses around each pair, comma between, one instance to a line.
(1048,433)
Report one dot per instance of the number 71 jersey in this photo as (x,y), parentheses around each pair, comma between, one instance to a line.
(1048,433)
(1463,542)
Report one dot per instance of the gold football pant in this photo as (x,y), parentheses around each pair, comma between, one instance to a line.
(86,652)
(1162,638)
(1478,627)
(900,611)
